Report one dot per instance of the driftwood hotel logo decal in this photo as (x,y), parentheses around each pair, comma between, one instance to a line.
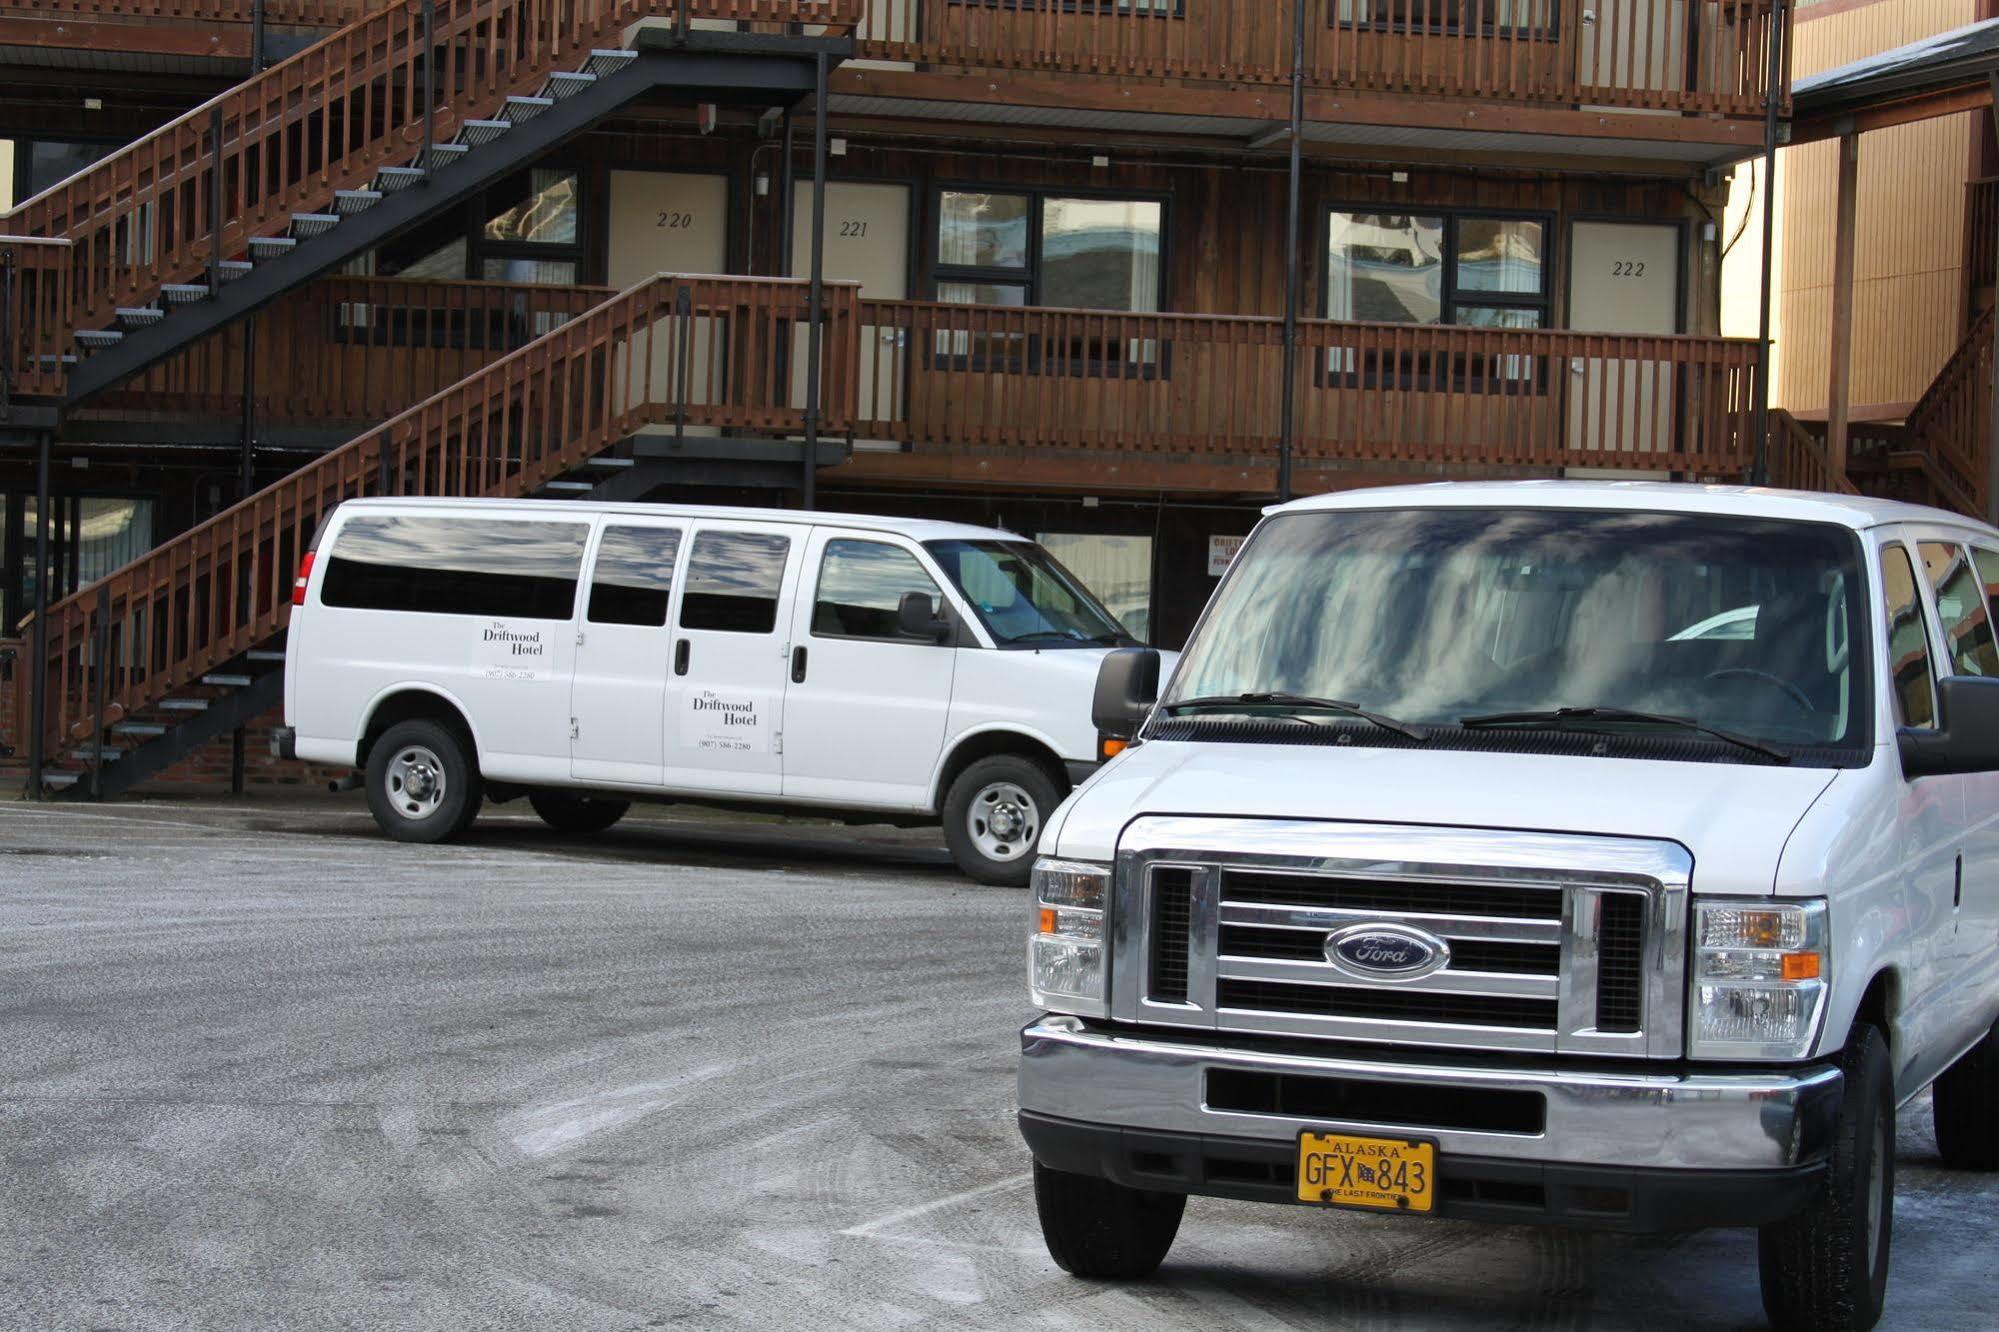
(506,653)
(720,723)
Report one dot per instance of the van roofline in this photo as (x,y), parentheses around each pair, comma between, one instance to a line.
(917,529)
(1858,512)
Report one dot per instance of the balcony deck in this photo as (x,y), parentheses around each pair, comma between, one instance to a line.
(1024,397)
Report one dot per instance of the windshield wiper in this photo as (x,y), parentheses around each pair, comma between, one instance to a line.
(1560,719)
(1299,703)
(1047,635)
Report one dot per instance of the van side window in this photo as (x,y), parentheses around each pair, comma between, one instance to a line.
(1908,640)
(633,576)
(1960,595)
(733,581)
(487,567)
(1987,563)
(861,584)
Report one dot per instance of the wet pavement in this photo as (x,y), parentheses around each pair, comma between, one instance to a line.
(261,1068)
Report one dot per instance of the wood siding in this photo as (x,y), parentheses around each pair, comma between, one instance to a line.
(1909,278)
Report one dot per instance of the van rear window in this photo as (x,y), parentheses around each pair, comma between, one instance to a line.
(456,566)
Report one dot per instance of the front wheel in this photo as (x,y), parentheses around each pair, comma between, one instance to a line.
(423,785)
(993,815)
(1827,1267)
(1102,1230)
(567,812)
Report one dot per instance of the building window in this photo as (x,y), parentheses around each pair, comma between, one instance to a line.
(40,163)
(1413,268)
(1532,19)
(91,536)
(1117,569)
(1016,248)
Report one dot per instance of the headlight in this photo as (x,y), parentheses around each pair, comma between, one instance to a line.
(1065,953)
(1760,971)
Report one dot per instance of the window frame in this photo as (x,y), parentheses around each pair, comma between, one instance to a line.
(1452,28)
(1032,359)
(1421,377)
(693,536)
(939,598)
(593,560)
(1903,545)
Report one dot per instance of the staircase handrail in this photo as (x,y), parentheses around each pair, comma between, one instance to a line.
(194,191)
(1800,460)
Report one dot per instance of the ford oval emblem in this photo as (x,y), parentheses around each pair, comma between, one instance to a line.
(1386,952)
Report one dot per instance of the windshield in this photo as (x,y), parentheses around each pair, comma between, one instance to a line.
(1024,597)
(1439,616)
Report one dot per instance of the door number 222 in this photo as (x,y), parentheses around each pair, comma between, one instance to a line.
(1628,268)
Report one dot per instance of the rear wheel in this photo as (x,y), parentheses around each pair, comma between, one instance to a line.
(993,814)
(1967,1108)
(423,785)
(1827,1267)
(1099,1229)
(568,812)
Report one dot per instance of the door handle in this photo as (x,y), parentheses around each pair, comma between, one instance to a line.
(798,665)
(680,652)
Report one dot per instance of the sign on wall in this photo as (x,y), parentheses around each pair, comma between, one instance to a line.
(1221,553)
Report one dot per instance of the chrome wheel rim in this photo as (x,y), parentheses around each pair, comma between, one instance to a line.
(1003,821)
(1877,1193)
(415,783)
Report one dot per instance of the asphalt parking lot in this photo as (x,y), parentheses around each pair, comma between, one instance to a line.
(260,1068)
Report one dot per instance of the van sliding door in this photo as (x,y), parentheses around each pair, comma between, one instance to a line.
(623,652)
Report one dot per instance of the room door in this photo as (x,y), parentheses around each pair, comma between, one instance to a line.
(1623,278)
(867,241)
(672,222)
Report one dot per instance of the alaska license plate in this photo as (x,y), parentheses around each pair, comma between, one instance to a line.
(1342,1170)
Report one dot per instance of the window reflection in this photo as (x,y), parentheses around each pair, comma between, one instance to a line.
(633,576)
(982,230)
(733,582)
(861,586)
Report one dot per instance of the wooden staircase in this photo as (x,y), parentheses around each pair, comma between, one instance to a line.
(178,647)
(319,158)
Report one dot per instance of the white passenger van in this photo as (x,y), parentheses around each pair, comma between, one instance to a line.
(1619,856)
(584,655)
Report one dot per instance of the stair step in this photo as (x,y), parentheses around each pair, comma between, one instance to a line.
(391,180)
(97,339)
(140,316)
(66,359)
(265,654)
(566,85)
(349,202)
(307,225)
(228,681)
(612,463)
(441,155)
(263,249)
(479,133)
(609,62)
(519,109)
(568,488)
(183,705)
(231,269)
(184,293)
(60,779)
(146,729)
(86,755)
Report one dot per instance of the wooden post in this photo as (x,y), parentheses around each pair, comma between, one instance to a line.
(1839,385)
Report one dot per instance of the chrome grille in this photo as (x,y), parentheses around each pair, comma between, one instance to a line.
(1556,944)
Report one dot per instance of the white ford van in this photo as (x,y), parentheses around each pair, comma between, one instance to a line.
(1611,855)
(584,655)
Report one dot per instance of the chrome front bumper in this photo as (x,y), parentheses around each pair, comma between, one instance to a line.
(1149,1080)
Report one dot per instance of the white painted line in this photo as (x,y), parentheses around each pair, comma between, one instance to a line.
(552,1128)
(868,1228)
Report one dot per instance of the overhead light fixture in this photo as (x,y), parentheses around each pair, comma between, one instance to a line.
(1100,160)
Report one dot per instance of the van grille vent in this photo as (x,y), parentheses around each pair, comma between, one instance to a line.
(1172,920)
(1620,975)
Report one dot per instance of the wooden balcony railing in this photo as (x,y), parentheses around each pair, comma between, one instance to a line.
(195,190)
(349,351)
(703,351)
(1798,458)
(1981,221)
(1709,56)
(1207,386)
(293,13)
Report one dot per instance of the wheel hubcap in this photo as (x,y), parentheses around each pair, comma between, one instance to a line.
(1003,821)
(415,782)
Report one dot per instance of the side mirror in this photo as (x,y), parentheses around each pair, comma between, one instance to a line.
(916,617)
(1127,687)
(1966,738)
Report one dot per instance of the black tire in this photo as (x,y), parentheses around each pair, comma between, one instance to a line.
(1817,1270)
(1967,1108)
(569,812)
(402,806)
(979,825)
(1104,1231)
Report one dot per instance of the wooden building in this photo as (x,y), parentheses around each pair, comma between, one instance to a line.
(269,253)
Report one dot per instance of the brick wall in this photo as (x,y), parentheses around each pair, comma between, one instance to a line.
(209,765)
(10,677)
